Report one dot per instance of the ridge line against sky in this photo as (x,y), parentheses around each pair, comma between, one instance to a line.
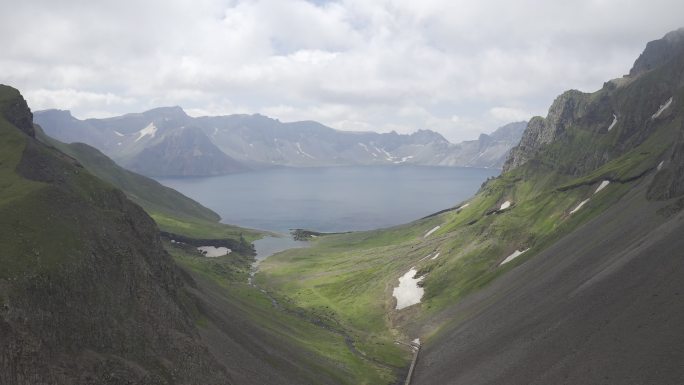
(457,67)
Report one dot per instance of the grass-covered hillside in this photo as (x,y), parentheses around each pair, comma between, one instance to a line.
(173,212)
(588,154)
(87,292)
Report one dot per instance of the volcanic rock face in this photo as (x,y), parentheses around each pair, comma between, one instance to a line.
(565,110)
(658,52)
(669,181)
(16,111)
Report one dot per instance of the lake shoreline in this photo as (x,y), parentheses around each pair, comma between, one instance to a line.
(332,199)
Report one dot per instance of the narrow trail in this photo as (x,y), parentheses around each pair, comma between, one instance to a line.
(409,376)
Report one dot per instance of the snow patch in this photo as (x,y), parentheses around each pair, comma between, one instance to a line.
(602,186)
(660,165)
(579,206)
(388,156)
(505,205)
(431,231)
(299,149)
(614,122)
(416,341)
(408,292)
(213,252)
(118,133)
(150,130)
(513,256)
(463,206)
(435,257)
(662,108)
(403,159)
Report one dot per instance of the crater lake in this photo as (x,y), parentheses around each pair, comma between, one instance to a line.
(332,199)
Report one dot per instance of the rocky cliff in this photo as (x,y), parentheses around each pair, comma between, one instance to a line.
(668,182)
(609,122)
(16,112)
(658,52)
(566,109)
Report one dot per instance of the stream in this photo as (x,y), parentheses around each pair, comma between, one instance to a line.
(268,246)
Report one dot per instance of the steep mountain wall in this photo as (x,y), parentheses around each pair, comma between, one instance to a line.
(87,293)
(598,298)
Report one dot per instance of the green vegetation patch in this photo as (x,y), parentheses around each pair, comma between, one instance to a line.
(317,348)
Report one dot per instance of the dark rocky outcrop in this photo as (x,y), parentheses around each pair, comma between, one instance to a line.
(659,52)
(669,180)
(565,110)
(16,111)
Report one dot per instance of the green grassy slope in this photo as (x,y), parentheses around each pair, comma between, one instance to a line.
(173,212)
(21,201)
(296,344)
(86,289)
(348,279)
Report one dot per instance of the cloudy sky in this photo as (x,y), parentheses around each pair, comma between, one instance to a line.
(457,67)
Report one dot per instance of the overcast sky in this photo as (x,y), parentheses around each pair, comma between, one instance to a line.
(457,67)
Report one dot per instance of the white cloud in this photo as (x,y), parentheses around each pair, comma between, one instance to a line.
(509,114)
(70,99)
(351,64)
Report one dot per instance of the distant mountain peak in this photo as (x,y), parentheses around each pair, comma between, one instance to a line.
(169,112)
(260,141)
(56,112)
(428,135)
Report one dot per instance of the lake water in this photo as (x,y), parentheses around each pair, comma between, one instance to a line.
(332,199)
(267,246)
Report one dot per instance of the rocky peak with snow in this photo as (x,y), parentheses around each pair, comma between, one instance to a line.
(257,141)
(625,111)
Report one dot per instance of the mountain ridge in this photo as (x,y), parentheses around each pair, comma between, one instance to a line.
(257,141)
